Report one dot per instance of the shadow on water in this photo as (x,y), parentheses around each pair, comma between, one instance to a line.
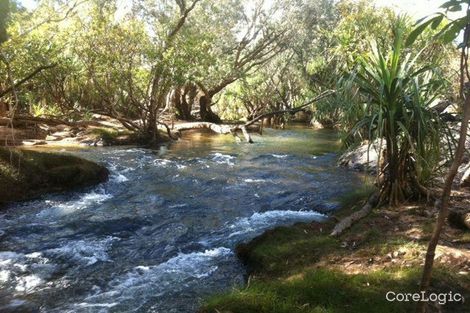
(159,235)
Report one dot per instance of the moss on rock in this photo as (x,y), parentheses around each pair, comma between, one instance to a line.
(27,174)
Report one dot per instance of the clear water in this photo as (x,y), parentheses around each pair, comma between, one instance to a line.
(159,235)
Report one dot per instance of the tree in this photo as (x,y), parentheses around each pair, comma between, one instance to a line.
(248,42)
(4,12)
(397,93)
(342,34)
(278,85)
(25,54)
(448,34)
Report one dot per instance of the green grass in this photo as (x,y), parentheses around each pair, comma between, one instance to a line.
(323,290)
(358,194)
(285,249)
(290,273)
(320,290)
(110,136)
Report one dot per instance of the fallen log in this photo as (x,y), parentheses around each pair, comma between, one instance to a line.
(222,129)
(30,120)
(217,128)
(13,136)
(356,216)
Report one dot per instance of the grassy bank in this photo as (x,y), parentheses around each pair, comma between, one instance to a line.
(27,174)
(302,269)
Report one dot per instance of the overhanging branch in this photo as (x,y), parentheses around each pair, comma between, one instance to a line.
(294,110)
(25,79)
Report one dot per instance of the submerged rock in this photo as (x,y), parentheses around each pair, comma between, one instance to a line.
(27,174)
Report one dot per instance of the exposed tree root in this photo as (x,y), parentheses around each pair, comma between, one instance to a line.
(363,212)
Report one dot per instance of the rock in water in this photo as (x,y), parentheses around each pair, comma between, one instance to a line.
(28,174)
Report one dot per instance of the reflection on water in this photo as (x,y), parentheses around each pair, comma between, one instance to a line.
(159,235)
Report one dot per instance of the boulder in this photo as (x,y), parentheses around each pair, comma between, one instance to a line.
(26,174)
(465,172)
(459,219)
(363,157)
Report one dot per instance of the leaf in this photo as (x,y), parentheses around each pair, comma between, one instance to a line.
(419,30)
(455,8)
(451,3)
(437,22)
(452,30)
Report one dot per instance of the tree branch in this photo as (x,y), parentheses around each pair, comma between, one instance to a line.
(294,110)
(25,79)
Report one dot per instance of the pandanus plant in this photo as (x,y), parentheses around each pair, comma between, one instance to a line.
(398,91)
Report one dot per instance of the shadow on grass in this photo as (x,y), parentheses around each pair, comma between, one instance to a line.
(322,290)
(288,277)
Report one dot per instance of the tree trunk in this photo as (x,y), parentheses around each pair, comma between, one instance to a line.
(151,132)
(443,204)
(205,110)
(151,114)
(182,105)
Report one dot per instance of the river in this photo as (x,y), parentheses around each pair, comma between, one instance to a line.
(159,235)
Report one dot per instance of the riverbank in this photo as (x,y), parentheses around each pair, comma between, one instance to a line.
(103,130)
(25,174)
(302,269)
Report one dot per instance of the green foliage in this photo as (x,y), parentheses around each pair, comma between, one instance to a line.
(39,109)
(399,92)
(4,12)
(136,61)
(359,25)
(451,29)
(355,26)
(278,85)
(341,110)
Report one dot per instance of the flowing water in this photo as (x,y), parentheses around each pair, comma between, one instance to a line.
(159,235)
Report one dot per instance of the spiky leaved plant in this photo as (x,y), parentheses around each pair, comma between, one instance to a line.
(398,92)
